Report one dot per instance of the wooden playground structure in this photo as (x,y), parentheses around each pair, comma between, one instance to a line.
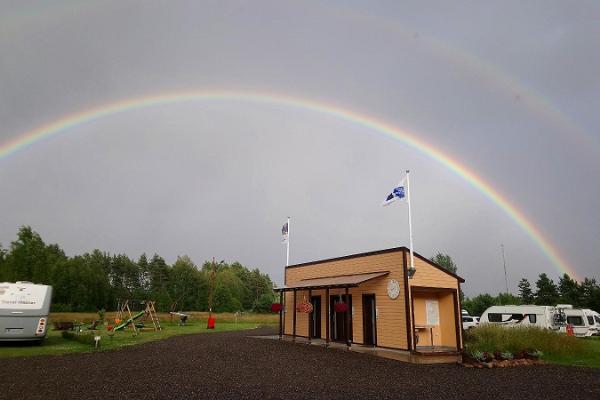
(127,318)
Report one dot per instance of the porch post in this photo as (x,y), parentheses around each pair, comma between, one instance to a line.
(348,312)
(281,315)
(328,317)
(310,315)
(294,323)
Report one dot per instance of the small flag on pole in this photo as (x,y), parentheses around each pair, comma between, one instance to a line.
(397,193)
(284,233)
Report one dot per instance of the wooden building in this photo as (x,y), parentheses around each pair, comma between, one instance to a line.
(368,299)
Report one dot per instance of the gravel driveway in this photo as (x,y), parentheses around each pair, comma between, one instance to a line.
(234,365)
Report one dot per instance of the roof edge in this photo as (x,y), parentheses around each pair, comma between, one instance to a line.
(376,252)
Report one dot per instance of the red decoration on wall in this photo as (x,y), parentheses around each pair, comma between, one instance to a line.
(304,307)
(276,307)
(340,307)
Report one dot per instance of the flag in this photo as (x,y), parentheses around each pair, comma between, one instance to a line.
(284,233)
(397,193)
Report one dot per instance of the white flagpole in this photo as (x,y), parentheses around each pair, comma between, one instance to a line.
(410,237)
(287,262)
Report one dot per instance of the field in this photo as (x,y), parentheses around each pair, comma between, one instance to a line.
(55,344)
(590,357)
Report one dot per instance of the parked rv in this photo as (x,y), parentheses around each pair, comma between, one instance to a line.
(24,309)
(527,315)
(583,322)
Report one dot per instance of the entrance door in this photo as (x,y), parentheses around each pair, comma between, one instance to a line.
(338,319)
(316,317)
(369,319)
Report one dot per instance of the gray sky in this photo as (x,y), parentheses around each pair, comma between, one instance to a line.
(509,89)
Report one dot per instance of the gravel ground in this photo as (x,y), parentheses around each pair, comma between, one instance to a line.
(234,365)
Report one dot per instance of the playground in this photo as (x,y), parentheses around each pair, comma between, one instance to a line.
(129,333)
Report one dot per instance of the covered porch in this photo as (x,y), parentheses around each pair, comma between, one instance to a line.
(337,310)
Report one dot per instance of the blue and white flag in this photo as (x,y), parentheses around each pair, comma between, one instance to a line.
(397,193)
(284,233)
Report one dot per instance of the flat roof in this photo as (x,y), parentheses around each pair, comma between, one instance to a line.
(334,281)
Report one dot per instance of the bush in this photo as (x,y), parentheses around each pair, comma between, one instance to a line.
(495,339)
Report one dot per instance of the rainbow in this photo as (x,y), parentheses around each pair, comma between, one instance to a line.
(68,122)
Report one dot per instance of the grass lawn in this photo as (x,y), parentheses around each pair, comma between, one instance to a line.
(589,358)
(55,344)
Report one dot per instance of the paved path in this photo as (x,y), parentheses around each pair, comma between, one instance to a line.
(233,365)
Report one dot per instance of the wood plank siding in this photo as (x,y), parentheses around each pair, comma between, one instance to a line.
(394,322)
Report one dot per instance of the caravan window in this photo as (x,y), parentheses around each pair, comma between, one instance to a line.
(497,317)
(575,320)
(532,318)
(590,320)
(597,319)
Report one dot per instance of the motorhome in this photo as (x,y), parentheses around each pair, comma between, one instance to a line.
(24,309)
(585,322)
(525,315)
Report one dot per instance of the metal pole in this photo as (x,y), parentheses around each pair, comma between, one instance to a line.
(410,236)
(310,317)
(287,262)
(504,261)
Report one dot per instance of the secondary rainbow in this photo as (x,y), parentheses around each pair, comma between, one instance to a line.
(68,122)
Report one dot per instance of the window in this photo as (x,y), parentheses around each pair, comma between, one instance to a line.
(493,317)
(597,319)
(467,319)
(590,320)
(532,318)
(575,320)
(497,317)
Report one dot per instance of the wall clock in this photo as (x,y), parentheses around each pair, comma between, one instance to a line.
(393,289)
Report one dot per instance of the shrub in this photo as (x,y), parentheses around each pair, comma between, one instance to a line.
(517,340)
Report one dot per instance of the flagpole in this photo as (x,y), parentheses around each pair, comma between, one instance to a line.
(410,236)
(287,262)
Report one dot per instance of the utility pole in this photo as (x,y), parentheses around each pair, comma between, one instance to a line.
(504,261)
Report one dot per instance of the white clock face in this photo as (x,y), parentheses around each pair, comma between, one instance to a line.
(393,289)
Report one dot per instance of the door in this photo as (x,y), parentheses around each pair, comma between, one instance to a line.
(369,320)
(338,319)
(315,317)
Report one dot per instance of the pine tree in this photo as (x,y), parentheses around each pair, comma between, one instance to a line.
(547,292)
(525,292)
(570,291)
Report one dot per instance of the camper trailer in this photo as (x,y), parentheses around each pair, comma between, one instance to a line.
(529,315)
(585,322)
(24,309)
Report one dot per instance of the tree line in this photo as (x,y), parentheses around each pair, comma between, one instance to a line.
(546,293)
(100,280)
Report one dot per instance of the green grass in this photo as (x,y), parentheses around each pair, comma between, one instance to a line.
(588,358)
(556,347)
(55,344)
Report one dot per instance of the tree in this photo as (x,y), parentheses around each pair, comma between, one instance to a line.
(547,292)
(570,291)
(478,304)
(445,261)
(525,292)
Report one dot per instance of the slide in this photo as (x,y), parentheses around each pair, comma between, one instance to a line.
(129,321)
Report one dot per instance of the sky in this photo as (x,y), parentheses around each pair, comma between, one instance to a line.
(509,90)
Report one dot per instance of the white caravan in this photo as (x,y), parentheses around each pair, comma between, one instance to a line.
(585,322)
(528,315)
(24,309)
